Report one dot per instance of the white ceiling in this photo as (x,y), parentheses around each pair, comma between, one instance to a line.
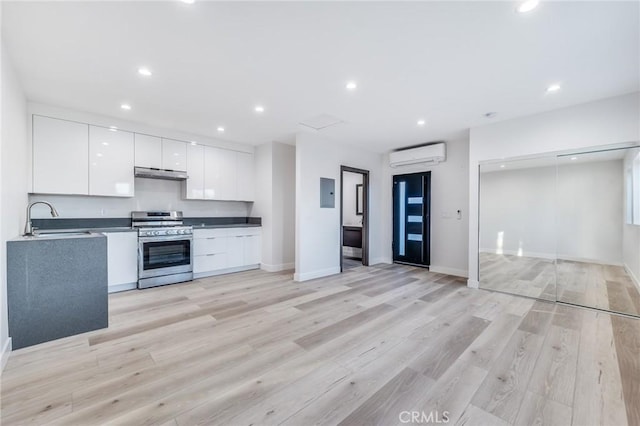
(446,62)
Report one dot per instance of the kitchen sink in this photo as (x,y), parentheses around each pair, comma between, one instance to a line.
(61,234)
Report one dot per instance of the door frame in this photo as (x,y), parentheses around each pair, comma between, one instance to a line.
(426,223)
(365,211)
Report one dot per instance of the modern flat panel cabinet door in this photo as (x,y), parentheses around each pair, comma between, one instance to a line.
(252,249)
(235,251)
(60,151)
(194,186)
(245,176)
(220,174)
(174,155)
(110,162)
(122,257)
(148,151)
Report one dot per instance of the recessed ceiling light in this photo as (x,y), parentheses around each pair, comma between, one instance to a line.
(125,107)
(259,108)
(421,122)
(105,143)
(502,166)
(527,6)
(220,129)
(351,85)
(553,88)
(574,158)
(144,71)
(490,114)
(194,143)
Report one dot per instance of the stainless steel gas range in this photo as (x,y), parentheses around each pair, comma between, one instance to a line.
(165,248)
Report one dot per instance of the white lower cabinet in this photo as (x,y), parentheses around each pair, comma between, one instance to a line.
(122,260)
(223,250)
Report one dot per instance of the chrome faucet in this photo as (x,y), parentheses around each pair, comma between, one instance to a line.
(28,228)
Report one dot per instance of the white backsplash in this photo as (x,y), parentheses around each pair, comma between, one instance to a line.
(151,194)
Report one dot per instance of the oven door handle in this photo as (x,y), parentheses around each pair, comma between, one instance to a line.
(166,238)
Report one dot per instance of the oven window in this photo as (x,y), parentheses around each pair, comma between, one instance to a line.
(165,254)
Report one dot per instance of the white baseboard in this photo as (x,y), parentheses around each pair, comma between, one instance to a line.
(225,271)
(586,260)
(550,256)
(449,271)
(122,287)
(473,283)
(316,274)
(277,268)
(4,356)
(634,278)
(378,260)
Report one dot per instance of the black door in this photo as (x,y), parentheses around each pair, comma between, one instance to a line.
(411,218)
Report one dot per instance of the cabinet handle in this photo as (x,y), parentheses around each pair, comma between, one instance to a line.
(239,236)
(211,238)
(212,254)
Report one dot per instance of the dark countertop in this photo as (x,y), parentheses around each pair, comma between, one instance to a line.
(99,225)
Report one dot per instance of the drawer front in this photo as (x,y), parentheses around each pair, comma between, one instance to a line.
(244,231)
(208,233)
(209,245)
(210,262)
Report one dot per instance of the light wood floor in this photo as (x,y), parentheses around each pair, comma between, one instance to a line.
(353,349)
(597,286)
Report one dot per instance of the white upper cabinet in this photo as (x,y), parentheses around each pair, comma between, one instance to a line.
(60,152)
(245,176)
(219,174)
(174,155)
(148,151)
(111,156)
(194,186)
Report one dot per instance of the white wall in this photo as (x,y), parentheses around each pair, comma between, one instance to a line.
(13,155)
(275,203)
(318,229)
(518,212)
(449,193)
(263,205)
(591,212)
(284,205)
(631,233)
(576,217)
(151,194)
(606,122)
(349,216)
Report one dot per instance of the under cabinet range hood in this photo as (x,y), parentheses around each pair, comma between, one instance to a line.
(145,172)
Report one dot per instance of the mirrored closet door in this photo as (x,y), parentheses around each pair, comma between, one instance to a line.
(598,243)
(564,228)
(517,227)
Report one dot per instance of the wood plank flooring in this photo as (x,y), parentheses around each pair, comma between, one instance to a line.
(359,348)
(593,285)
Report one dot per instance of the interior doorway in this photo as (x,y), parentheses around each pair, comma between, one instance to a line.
(354,217)
(412,219)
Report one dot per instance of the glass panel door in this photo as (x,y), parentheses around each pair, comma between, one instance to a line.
(411,227)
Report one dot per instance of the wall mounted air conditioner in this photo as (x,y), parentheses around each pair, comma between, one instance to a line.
(431,154)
